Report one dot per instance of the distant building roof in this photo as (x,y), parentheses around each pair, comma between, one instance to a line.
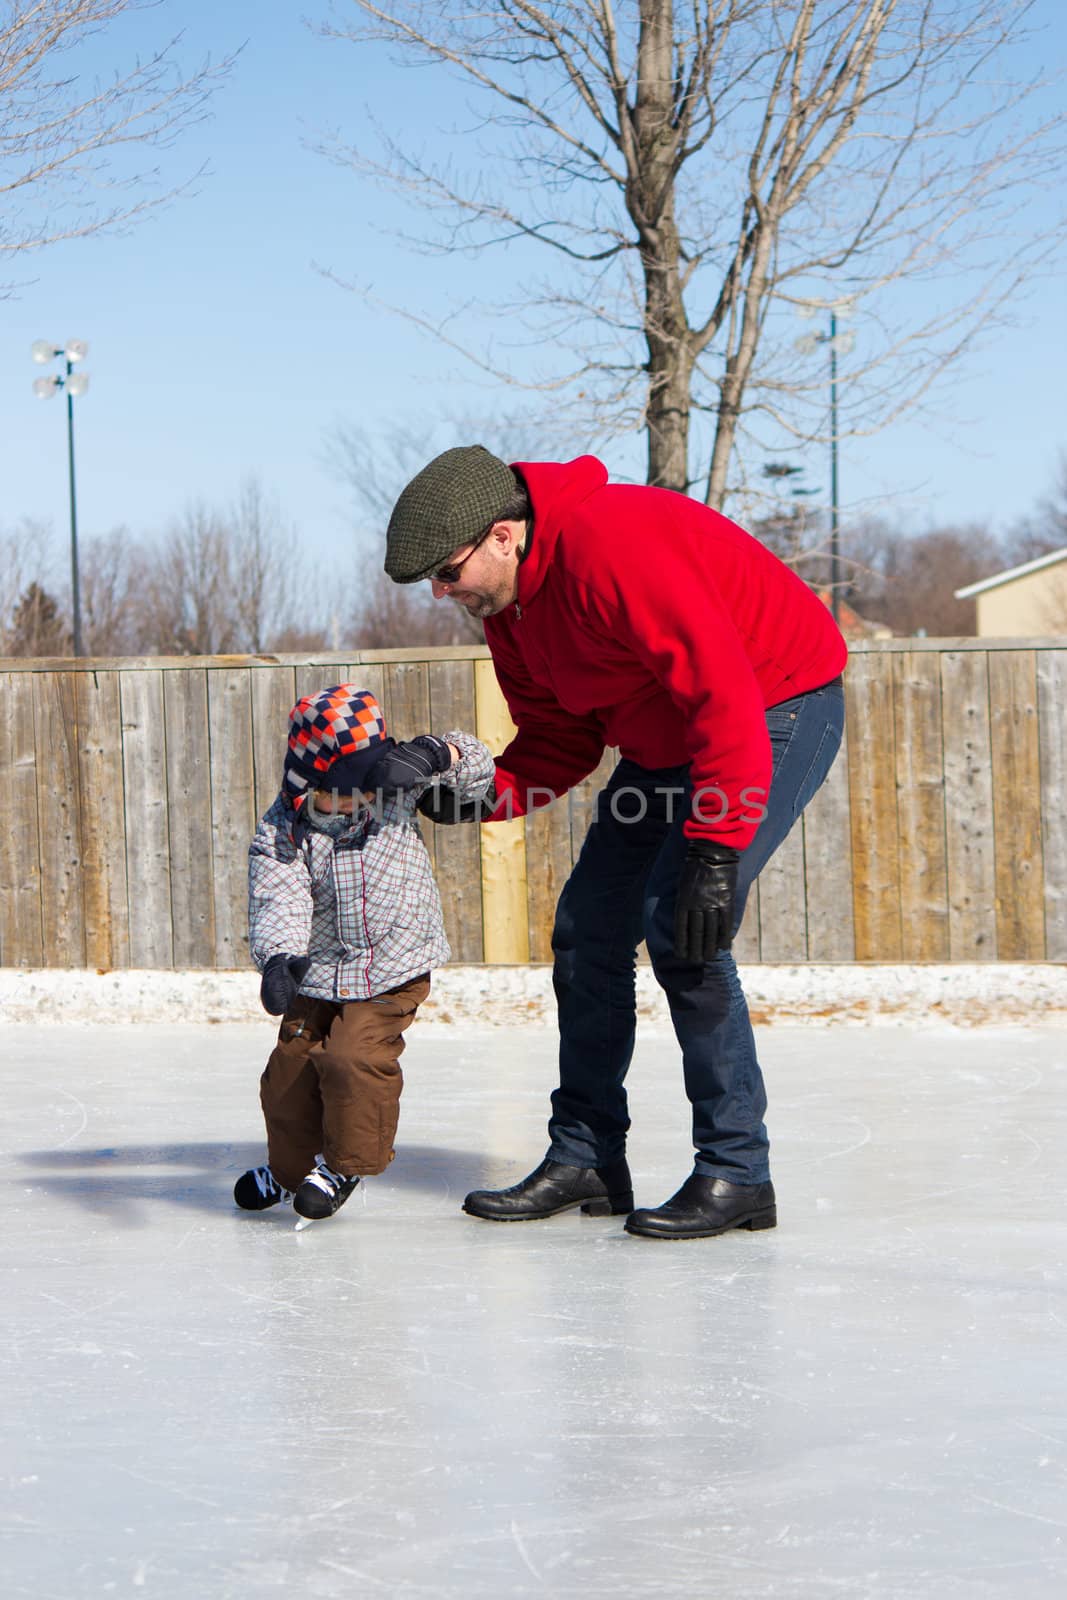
(852,625)
(1013,572)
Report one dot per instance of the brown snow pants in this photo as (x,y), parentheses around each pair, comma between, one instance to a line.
(332,1084)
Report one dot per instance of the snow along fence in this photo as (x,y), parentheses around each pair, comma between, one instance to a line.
(132,788)
(964,995)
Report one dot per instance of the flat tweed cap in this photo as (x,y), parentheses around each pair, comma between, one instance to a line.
(446,505)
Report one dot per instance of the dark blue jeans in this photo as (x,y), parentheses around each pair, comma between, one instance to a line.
(621,890)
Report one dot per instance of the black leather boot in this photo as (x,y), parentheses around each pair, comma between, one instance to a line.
(600,1191)
(706,1206)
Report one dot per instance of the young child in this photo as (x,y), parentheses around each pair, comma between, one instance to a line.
(345,925)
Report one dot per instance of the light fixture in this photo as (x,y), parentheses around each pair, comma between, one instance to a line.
(75,383)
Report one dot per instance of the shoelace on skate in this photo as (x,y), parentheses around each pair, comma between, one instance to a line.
(267,1184)
(328,1181)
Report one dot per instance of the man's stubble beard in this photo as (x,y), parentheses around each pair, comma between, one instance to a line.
(484,606)
(490,602)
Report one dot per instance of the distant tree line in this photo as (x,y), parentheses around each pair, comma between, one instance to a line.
(907,581)
(241,580)
(217,581)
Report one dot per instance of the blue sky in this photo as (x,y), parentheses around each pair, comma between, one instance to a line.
(219,349)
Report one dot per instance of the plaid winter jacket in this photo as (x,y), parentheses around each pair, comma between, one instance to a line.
(363,905)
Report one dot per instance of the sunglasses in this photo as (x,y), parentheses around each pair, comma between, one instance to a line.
(450,572)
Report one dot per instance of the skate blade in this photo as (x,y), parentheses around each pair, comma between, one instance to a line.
(305,1222)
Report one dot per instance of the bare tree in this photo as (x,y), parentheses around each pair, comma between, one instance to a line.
(26,559)
(268,580)
(187,604)
(225,580)
(113,570)
(37,626)
(700,172)
(907,580)
(63,140)
(375,465)
(1045,528)
(302,641)
(216,581)
(391,616)
(1041,533)
(110,593)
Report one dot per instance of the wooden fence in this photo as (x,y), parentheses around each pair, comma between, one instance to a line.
(131,789)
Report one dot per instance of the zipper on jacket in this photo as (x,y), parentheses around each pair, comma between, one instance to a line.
(518,612)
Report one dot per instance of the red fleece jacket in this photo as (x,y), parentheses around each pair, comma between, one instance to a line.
(648,622)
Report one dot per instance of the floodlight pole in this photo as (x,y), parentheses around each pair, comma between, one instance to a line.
(43,352)
(75,586)
(809,343)
(835,546)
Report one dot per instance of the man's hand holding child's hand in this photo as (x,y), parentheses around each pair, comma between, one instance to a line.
(412,762)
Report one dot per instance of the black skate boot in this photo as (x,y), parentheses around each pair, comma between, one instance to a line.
(259,1189)
(322,1193)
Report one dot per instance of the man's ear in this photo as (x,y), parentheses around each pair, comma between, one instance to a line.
(507,536)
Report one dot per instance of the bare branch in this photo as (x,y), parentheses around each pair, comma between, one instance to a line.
(696,167)
(61,139)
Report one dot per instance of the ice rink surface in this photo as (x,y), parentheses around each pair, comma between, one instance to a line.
(869,1402)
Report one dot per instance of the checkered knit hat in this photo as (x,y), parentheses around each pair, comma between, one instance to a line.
(335,738)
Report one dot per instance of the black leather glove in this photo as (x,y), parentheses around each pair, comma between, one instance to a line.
(409,764)
(444,806)
(704,909)
(282,977)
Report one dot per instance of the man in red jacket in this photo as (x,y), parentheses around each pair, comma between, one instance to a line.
(639,619)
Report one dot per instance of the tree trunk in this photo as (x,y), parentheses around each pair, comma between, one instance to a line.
(740,360)
(669,372)
(727,417)
(650,201)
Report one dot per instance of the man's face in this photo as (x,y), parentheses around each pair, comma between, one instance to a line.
(487,580)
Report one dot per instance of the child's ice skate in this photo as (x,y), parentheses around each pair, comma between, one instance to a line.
(258,1189)
(322,1193)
